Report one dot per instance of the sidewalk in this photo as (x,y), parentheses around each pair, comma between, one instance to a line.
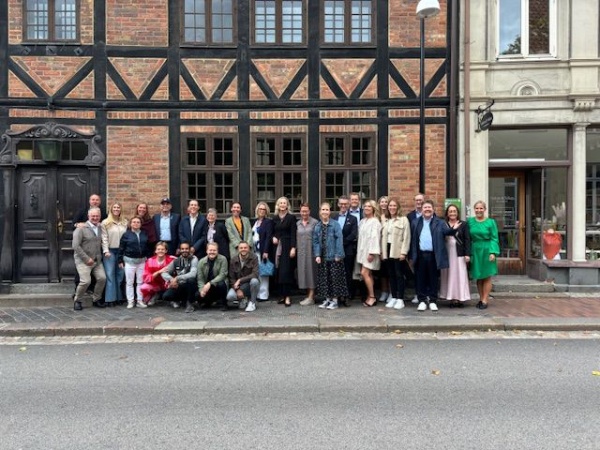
(552,312)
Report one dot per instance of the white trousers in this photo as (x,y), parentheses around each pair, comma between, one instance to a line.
(134,272)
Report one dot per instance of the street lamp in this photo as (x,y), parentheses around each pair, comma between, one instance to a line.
(425,9)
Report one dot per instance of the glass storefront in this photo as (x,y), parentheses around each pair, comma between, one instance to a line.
(537,145)
(592,198)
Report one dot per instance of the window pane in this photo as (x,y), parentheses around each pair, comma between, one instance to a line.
(335,186)
(264,25)
(292,21)
(195,21)
(222,21)
(197,188)
(592,211)
(223,151)
(537,144)
(334,151)
(79,150)
(223,192)
(334,21)
(361,182)
(539,27)
(265,152)
(292,188)
(292,151)
(510,27)
(65,20)
(37,19)
(265,189)
(196,151)
(361,21)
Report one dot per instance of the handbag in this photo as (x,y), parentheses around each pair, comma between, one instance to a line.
(266,268)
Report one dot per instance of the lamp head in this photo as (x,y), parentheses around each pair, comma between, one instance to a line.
(427,8)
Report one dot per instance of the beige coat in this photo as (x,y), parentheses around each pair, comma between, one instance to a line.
(87,245)
(400,238)
(111,236)
(369,243)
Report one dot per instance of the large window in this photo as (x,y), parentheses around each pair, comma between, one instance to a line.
(51,20)
(209,21)
(279,169)
(210,168)
(347,165)
(592,201)
(348,21)
(529,145)
(278,22)
(526,28)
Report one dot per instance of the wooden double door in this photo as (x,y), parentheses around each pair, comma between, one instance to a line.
(48,199)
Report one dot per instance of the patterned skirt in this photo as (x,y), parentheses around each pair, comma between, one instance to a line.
(331,280)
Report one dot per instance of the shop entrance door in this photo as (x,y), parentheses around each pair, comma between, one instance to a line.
(507,207)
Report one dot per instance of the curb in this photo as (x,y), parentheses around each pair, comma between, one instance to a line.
(398,326)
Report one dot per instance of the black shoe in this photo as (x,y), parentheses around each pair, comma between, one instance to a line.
(224,308)
(189,308)
(77,306)
(281,301)
(99,304)
(482,305)
(344,302)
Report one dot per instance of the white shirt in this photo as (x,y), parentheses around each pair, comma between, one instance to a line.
(93,227)
(193,223)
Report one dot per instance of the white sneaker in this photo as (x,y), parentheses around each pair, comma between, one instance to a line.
(433,307)
(140,304)
(415,300)
(399,304)
(391,302)
(307,301)
(422,306)
(384,296)
(333,304)
(175,305)
(325,303)
(130,305)
(153,299)
(251,307)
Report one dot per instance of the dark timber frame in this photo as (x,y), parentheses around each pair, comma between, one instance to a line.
(243,53)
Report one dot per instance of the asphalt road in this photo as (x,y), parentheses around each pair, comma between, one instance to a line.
(517,394)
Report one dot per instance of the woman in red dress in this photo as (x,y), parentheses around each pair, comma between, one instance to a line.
(154,283)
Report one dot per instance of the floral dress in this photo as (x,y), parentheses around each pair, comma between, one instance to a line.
(331,275)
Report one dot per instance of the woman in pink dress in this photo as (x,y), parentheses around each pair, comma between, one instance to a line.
(455,279)
(154,283)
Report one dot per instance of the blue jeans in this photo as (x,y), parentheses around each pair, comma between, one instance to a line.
(114,276)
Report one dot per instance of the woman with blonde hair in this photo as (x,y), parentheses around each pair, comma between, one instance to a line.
(383,274)
(368,252)
(262,234)
(485,248)
(284,239)
(112,229)
(395,245)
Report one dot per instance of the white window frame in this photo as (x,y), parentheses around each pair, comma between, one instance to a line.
(553,24)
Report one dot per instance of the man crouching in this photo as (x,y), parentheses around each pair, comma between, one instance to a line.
(243,278)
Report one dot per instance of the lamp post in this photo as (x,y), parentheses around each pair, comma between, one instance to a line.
(425,9)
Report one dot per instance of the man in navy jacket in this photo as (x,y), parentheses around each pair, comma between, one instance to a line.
(349,226)
(190,228)
(429,255)
(167,225)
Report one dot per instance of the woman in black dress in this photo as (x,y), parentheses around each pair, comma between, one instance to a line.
(284,238)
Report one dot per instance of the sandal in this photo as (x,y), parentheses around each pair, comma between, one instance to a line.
(369,305)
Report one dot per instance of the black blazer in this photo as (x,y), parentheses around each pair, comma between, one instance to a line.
(194,237)
(175,219)
(412,216)
(350,233)
(360,212)
(285,231)
(82,215)
(130,247)
(463,240)
(265,238)
(439,231)
(220,237)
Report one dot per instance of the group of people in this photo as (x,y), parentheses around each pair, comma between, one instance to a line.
(238,263)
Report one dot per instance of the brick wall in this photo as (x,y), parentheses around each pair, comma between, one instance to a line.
(50,72)
(404,26)
(137,166)
(135,22)
(404,164)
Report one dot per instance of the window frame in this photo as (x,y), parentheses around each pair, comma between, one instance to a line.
(348,26)
(52,25)
(348,167)
(279,169)
(278,26)
(208,41)
(210,169)
(553,31)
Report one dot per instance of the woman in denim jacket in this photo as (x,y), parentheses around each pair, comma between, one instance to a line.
(328,250)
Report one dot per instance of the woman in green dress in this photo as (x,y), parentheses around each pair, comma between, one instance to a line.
(484,250)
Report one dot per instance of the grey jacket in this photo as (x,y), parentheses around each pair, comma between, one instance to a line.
(183,269)
(86,245)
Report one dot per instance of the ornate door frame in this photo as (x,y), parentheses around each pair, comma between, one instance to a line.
(9,162)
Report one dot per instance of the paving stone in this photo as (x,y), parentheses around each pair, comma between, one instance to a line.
(365,325)
(173,327)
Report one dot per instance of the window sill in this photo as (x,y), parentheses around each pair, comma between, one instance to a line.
(521,58)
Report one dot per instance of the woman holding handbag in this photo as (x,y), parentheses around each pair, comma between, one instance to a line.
(262,233)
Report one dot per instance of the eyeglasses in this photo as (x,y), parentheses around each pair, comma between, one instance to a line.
(262,209)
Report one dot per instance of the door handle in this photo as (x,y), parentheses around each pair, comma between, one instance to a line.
(60,227)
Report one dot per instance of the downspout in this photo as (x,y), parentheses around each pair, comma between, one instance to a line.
(467,105)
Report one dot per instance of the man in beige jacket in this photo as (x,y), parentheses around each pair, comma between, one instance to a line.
(87,247)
